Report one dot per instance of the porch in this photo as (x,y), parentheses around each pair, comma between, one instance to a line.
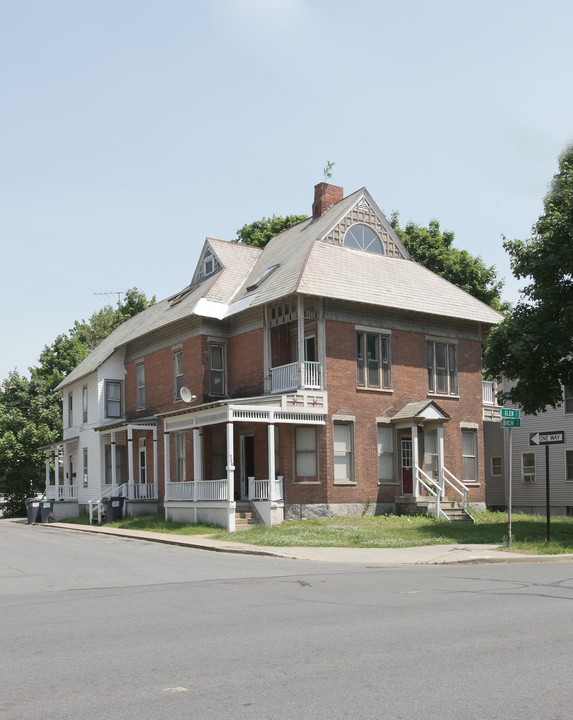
(214,500)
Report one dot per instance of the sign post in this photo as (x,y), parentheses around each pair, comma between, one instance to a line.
(509,419)
(548,438)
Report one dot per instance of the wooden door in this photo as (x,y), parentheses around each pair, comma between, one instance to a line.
(406,463)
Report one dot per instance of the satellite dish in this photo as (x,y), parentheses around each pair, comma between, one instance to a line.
(186,395)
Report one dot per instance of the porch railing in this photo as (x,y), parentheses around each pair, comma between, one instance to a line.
(141,491)
(266,489)
(197,490)
(62,492)
(438,490)
(286,377)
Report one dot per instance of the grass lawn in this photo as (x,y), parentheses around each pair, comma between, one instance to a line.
(387,531)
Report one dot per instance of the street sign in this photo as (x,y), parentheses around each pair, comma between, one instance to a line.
(509,413)
(510,422)
(547,438)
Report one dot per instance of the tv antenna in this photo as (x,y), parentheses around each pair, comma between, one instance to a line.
(110,293)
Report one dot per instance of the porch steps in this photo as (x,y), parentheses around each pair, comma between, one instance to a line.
(246,516)
(409,505)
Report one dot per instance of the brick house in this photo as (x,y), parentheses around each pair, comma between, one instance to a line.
(325,374)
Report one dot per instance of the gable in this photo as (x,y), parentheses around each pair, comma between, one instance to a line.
(365,212)
(208,264)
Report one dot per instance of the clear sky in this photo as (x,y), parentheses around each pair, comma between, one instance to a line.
(130,130)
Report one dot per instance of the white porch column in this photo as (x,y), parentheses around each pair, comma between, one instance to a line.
(230,477)
(113,461)
(415,457)
(129,456)
(301,358)
(166,462)
(271,454)
(47,470)
(155,468)
(441,459)
(197,454)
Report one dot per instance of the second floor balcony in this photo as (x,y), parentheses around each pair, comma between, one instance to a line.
(286,378)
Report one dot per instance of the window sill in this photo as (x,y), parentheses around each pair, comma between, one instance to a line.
(305,482)
(443,396)
(471,484)
(345,483)
(389,482)
(387,391)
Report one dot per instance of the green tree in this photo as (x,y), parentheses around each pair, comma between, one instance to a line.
(30,410)
(533,346)
(259,233)
(434,249)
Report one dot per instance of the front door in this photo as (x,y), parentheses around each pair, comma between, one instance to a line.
(247,463)
(406,462)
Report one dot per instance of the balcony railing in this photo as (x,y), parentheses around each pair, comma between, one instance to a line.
(141,491)
(285,378)
(487,392)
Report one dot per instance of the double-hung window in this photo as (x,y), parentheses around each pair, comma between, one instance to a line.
(528,467)
(70,410)
(85,467)
(181,458)
(373,360)
(343,452)
(84,404)
(142,461)
(442,368)
(568,401)
(140,375)
(177,373)
(217,368)
(305,450)
(385,453)
(469,455)
(113,398)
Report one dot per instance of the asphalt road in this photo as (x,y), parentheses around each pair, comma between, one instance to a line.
(97,626)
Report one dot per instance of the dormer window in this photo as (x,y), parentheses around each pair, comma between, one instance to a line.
(208,263)
(362,237)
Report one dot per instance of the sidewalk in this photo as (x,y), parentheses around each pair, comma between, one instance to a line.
(424,555)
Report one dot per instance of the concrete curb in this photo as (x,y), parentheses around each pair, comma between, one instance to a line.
(454,554)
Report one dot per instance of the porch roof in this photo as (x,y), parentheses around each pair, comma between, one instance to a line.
(421,410)
(149,422)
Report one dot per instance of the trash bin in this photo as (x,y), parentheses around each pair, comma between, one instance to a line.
(47,511)
(33,510)
(113,508)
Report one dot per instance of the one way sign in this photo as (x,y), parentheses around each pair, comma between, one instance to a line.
(547,438)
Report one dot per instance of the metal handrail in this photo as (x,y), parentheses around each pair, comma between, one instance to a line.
(111,490)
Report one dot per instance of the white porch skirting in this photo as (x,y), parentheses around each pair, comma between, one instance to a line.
(220,512)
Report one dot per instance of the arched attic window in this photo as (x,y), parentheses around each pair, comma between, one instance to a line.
(362,237)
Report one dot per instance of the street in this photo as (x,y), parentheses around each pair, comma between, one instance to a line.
(98,626)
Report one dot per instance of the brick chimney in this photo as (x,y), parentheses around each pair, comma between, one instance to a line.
(325,196)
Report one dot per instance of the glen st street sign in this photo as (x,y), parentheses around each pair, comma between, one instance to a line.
(510,422)
(509,413)
(547,438)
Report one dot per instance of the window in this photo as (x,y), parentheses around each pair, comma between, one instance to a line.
(528,467)
(113,398)
(180,458)
(70,410)
(385,453)
(305,450)
(217,369)
(142,461)
(84,404)
(373,355)
(85,468)
(178,373)
(442,368)
(569,465)
(343,452)
(140,376)
(208,263)
(567,401)
(363,237)
(431,453)
(469,455)
(496,466)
